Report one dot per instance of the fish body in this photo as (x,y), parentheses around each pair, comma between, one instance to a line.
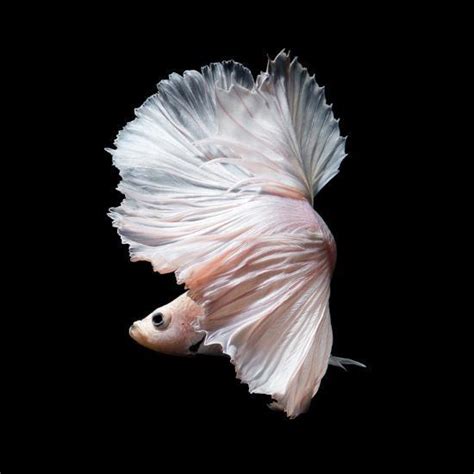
(220,172)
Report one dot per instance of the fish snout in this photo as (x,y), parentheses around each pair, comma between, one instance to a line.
(134,329)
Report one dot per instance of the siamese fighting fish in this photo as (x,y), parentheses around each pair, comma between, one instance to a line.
(219,172)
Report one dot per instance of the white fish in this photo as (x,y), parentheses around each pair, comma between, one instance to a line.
(219,174)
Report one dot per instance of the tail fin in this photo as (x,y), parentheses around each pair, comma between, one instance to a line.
(282,132)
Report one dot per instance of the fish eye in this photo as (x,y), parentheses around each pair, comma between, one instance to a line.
(157,320)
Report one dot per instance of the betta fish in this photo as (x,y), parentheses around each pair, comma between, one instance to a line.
(219,173)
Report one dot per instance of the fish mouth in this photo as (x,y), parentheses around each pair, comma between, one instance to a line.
(134,332)
(140,337)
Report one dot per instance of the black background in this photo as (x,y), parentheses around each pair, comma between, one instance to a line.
(102,394)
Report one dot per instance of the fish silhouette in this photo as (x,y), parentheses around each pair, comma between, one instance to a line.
(219,173)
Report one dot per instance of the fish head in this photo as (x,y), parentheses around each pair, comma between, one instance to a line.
(169,329)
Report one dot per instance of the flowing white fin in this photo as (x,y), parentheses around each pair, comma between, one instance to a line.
(219,174)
